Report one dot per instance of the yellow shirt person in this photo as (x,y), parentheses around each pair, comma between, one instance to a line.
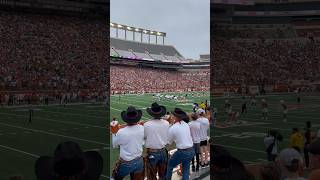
(202,106)
(296,140)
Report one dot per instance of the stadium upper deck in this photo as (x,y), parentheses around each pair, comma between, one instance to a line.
(146,51)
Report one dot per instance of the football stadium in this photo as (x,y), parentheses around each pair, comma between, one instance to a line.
(265,84)
(52,83)
(153,73)
(142,73)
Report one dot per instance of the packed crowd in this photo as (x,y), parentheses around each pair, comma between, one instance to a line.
(257,61)
(52,97)
(125,79)
(189,133)
(51,52)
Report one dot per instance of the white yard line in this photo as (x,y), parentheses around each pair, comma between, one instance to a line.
(63,122)
(240,148)
(20,151)
(54,134)
(73,114)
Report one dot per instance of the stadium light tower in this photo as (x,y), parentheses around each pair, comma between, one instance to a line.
(135,30)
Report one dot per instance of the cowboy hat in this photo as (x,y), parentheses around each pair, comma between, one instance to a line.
(180,114)
(69,161)
(156,110)
(131,115)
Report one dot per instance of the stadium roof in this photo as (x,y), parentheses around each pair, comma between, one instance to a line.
(137,29)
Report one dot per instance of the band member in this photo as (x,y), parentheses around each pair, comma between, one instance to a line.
(204,127)
(130,139)
(156,137)
(180,134)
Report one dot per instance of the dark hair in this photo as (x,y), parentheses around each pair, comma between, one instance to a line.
(270,171)
(194,116)
(308,124)
(294,166)
(295,129)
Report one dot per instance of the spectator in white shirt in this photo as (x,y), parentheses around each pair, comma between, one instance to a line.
(180,134)
(271,146)
(195,129)
(130,139)
(204,127)
(156,138)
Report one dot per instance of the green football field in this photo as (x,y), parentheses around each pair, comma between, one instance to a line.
(245,140)
(22,142)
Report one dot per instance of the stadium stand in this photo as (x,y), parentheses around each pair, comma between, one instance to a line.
(34,61)
(265,46)
(126,79)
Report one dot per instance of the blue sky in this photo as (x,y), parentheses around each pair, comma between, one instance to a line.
(186,22)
